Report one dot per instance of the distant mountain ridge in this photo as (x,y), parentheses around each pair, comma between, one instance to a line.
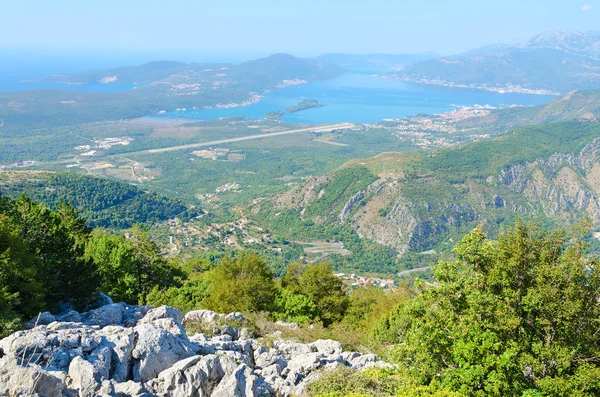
(273,68)
(555,62)
(160,86)
(586,43)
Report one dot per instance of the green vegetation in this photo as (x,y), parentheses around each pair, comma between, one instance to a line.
(515,316)
(130,267)
(345,382)
(318,284)
(41,260)
(318,220)
(244,283)
(304,105)
(525,144)
(50,258)
(103,202)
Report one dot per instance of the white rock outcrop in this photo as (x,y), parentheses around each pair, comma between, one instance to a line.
(121,350)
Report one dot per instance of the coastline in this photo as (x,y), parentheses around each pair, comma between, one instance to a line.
(512,89)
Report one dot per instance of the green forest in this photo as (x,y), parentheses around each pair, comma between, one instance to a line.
(513,316)
(102,202)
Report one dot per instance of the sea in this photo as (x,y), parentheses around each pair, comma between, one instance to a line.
(361,97)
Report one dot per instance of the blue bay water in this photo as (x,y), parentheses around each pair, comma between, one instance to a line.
(355,97)
(362,98)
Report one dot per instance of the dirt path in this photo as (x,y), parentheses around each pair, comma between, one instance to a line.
(418,269)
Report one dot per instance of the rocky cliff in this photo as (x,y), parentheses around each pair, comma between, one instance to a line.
(425,210)
(121,350)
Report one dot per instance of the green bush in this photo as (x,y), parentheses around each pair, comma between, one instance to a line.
(508,317)
(244,283)
(185,298)
(294,307)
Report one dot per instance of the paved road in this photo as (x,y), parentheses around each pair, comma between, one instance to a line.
(323,128)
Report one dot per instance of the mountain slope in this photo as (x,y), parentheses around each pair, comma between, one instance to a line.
(586,43)
(102,202)
(549,63)
(424,201)
(140,74)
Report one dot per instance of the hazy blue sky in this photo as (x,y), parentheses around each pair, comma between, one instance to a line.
(301,27)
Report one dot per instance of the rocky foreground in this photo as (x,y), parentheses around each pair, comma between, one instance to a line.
(121,350)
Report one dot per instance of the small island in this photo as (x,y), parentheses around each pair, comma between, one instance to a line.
(304,105)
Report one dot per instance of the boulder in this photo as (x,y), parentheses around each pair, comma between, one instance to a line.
(133,314)
(121,350)
(16,380)
(235,316)
(44,318)
(83,379)
(240,383)
(266,359)
(291,349)
(129,388)
(121,341)
(162,312)
(301,365)
(361,361)
(72,316)
(272,370)
(106,315)
(99,300)
(157,349)
(200,316)
(175,381)
(327,346)
(194,376)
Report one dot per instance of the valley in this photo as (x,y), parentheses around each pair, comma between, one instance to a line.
(398,204)
(371,198)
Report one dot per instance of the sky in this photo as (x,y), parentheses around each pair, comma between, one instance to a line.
(299,27)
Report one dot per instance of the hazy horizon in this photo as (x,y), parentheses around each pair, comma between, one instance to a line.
(263,27)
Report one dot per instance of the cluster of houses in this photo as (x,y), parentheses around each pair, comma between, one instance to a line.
(354,280)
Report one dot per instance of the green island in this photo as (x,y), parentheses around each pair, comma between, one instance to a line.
(304,105)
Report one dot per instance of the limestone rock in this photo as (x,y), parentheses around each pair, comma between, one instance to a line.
(240,383)
(83,379)
(44,318)
(156,350)
(16,380)
(162,312)
(121,350)
(202,316)
(327,346)
(105,315)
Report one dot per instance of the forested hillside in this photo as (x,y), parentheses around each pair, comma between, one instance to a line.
(419,204)
(102,202)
